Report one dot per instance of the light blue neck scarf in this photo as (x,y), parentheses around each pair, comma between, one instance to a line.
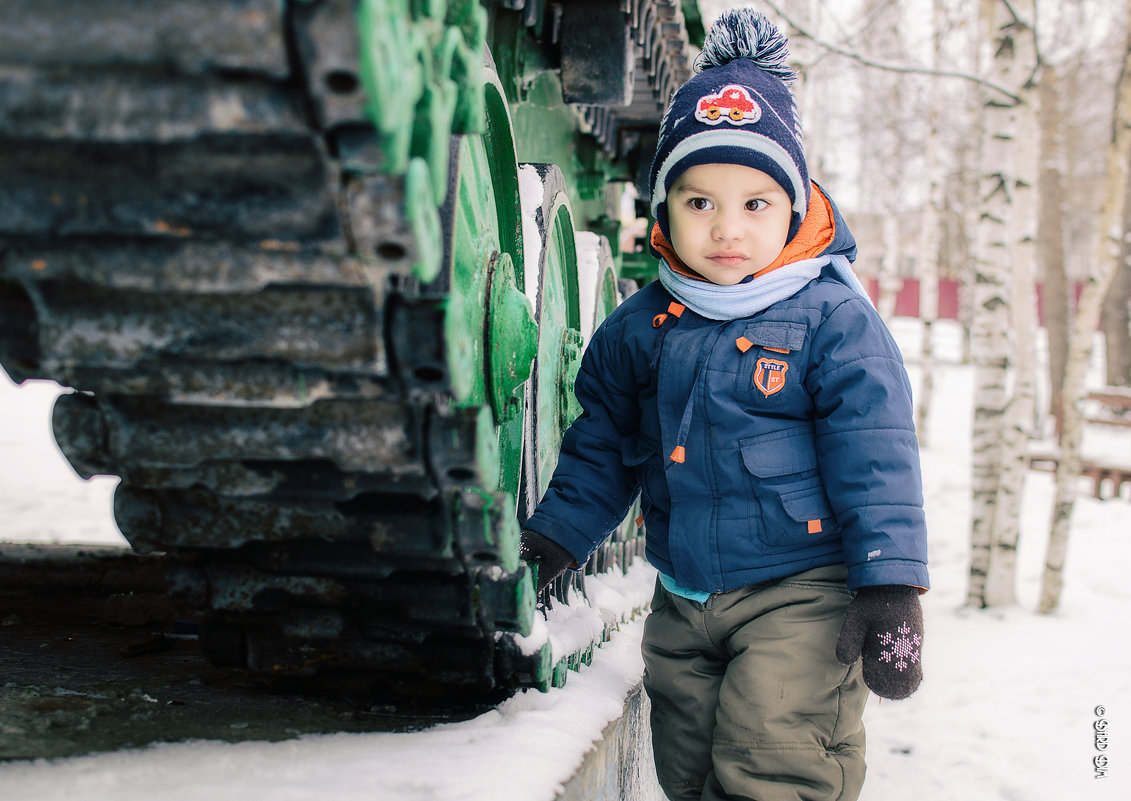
(717,302)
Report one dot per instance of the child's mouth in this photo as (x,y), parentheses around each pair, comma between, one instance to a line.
(727,259)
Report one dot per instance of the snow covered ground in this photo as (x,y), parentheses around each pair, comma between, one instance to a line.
(1008,710)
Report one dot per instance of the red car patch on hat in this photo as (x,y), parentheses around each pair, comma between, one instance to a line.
(732,103)
(769,375)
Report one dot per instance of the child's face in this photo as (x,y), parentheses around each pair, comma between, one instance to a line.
(727,221)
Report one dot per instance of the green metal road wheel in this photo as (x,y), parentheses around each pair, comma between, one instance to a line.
(597,281)
(552,258)
(490,332)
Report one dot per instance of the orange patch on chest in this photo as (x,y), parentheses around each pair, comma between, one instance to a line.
(769,375)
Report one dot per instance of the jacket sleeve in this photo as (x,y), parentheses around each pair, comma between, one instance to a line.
(867,450)
(592,490)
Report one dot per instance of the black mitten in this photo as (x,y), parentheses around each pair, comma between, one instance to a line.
(885,626)
(547,556)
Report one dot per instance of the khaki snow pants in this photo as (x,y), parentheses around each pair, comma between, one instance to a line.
(748,698)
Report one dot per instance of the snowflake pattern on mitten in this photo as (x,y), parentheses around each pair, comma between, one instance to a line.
(903,650)
(883,626)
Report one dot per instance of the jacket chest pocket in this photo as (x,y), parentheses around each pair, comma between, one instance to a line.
(769,358)
(793,508)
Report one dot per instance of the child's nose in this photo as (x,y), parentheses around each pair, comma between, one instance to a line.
(727,225)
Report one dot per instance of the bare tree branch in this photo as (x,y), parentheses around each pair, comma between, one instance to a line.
(1019,22)
(1013,13)
(904,68)
(850,37)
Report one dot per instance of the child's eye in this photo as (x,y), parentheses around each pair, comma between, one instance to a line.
(756,205)
(699,203)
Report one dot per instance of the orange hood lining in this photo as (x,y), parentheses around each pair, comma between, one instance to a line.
(813,237)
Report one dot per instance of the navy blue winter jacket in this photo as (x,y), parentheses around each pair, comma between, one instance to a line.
(800,448)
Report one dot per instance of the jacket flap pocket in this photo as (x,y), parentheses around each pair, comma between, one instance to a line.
(777,334)
(635,450)
(806,505)
(780,453)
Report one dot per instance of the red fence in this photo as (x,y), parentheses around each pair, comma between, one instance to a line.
(907,298)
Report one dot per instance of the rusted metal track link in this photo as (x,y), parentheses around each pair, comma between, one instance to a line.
(193,236)
(183,238)
(651,61)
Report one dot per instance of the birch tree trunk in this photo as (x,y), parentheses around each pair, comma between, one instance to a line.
(1050,232)
(1105,261)
(1020,421)
(883,148)
(1116,316)
(964,194)
(888,276)
(994,444)
(968,191)
(928,255)
(809,88)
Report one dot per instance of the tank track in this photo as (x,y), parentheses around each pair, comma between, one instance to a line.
(653,59)
(195,235)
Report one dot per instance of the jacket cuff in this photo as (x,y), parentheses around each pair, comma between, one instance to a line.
(578,545)
(871,574)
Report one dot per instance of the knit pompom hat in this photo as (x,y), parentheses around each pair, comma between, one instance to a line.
(737,109)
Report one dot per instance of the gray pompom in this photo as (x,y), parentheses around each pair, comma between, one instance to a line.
(746,33)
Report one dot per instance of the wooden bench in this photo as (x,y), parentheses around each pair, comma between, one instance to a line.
(1089,468)
(1118,401)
